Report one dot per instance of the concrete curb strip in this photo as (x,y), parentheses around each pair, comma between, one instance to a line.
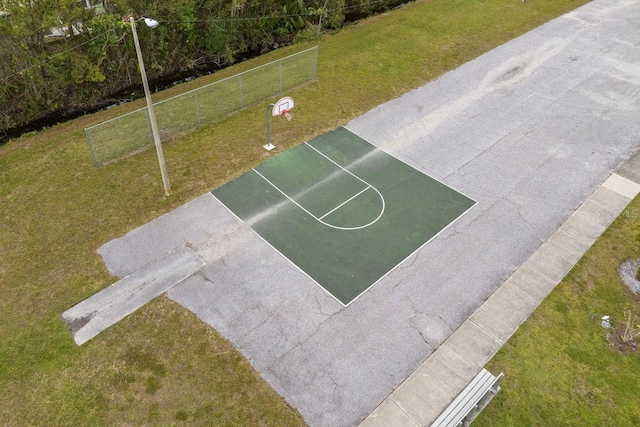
(102,310)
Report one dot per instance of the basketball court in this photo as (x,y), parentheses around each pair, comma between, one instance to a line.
(341,210)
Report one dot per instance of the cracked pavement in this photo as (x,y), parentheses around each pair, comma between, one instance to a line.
(528,130)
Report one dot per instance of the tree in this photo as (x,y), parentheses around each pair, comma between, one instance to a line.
(57,55)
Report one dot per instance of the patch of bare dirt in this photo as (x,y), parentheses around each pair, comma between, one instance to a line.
(628,271)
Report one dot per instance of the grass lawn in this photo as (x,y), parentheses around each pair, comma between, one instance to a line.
(560,369)
(161,366)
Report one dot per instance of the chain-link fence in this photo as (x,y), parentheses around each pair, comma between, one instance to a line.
(131,132)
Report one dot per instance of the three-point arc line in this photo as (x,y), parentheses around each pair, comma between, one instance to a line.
(320,219)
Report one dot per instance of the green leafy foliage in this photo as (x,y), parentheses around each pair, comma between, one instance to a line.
(58,53)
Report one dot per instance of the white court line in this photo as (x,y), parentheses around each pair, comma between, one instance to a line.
(331,160)
(320,219)
(346,201)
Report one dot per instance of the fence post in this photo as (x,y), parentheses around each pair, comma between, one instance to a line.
(146,118)
(316,63)
(195,95)
(93,154)
(240,89)
(280,75)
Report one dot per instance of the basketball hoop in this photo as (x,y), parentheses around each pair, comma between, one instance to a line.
(281,108)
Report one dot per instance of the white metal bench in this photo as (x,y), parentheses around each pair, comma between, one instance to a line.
(468,404)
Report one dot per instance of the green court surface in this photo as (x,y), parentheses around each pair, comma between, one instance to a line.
(343,211)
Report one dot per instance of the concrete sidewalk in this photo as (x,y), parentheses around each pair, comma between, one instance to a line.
(88,318)
(427,392)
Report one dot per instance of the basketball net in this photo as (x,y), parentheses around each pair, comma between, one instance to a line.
(288,114)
